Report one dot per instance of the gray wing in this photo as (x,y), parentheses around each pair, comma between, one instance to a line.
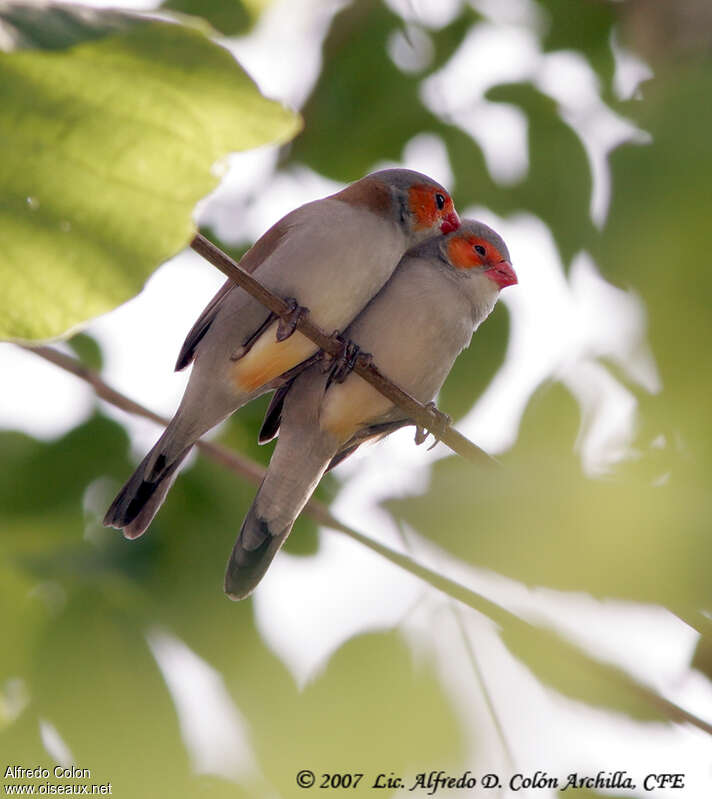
(200,328)
(261,250)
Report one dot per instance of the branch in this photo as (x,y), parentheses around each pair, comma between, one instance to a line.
(422,415)
(318,511)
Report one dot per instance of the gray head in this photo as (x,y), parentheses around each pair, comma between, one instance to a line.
(419,204)
(474,248)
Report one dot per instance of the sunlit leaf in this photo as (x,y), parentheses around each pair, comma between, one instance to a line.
(113,143)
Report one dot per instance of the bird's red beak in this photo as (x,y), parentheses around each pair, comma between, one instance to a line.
(450,223)
(503,274)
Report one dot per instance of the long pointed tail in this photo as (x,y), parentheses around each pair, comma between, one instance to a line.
(139,500)
(290,481)
(256,546)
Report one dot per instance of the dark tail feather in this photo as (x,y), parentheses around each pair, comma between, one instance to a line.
(139,500)
(273,416)
(252,554)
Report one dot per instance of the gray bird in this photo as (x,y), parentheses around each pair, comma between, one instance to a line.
(414,328)
(331,256)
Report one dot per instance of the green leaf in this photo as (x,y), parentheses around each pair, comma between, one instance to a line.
(365,100)
(230,17)
(657,241)
(476,366)
(588,30)
(558,184)
(569,670)
(636,534)
(113,142)
(354,712)
(29,26)
(87,350)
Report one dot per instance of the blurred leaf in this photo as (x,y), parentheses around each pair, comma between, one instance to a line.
(368,106)
(476,366)
(702,659)
(110,155)
(656,239)
(85,627)
(48,478)
(87,350)
(351,718)
(540,520)
(589,30)
(99,660)
(557,187)
(229,17)
(57,26)
(366,101)
(567,669)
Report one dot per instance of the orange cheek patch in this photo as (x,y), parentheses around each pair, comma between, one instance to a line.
(269,358)
(422,202)
(461,254)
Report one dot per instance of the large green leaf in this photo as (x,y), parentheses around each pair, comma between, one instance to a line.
(113,141)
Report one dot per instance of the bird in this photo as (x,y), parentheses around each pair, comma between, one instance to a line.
(330,256)
(413,330)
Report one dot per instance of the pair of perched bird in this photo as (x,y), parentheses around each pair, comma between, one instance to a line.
(387,262)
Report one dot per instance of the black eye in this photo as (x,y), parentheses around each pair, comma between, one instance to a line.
(480,250)
(440,201)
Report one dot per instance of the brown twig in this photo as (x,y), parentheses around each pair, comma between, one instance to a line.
(318,511)
(421,414)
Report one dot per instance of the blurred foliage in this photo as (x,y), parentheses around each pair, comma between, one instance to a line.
(78,600)
(88,597)
(567,669)
(540,520)
(110,155)
(87,350)
(30,26)
(229,17)
(476,366)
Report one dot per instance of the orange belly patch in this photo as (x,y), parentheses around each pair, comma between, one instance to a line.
(350,406)
(269,358)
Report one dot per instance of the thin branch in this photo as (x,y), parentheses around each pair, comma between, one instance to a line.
(421,414)
(489,700)
(318,511)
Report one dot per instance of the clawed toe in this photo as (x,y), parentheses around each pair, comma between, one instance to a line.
(342,364)
(441,421)
(288,324)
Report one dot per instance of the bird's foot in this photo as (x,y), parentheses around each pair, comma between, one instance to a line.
(288,323)
(342,364)
(441,421)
